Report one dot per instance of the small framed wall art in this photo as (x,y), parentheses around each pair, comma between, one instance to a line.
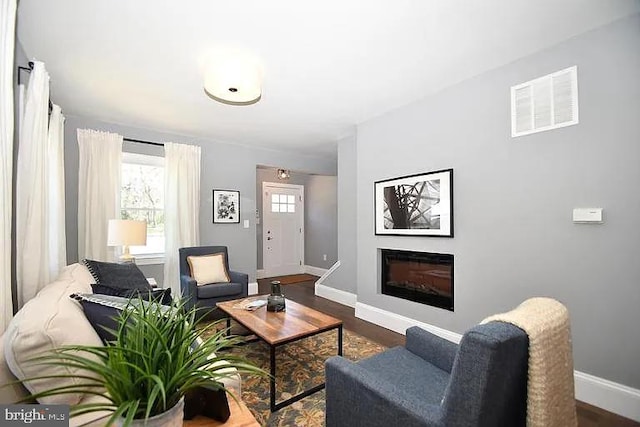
(226,207)
(415,205)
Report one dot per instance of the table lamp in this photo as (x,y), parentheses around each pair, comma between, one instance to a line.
(125,233)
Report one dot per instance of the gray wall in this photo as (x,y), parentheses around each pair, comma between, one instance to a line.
(344,278)
(513,198)
(224,165)
(321,221)
(319,215)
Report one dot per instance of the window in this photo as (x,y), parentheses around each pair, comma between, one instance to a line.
(142,198)
(283,203)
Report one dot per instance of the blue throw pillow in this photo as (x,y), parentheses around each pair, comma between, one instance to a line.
(102,314)
(103,311)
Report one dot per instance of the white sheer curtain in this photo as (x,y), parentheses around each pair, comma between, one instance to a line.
(32,183)
(7,47)
(56,196)
(100,159)
(181,207)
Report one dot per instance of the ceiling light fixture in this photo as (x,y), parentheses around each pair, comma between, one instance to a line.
(233,79)
(283,174)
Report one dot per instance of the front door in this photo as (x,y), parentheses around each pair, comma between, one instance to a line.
(282,228)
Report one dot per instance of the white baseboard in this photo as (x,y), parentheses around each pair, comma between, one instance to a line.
(617,398)
(613,397)
(316,271)
(336,295)
(398,323)
(328,272)
(253,288)
(308,269)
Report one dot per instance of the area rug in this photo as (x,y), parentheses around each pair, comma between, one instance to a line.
(294,278)
(299,366)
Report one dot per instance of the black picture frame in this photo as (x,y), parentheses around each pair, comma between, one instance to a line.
(402,208)
(226,206)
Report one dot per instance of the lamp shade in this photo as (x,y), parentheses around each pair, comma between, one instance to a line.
(127,232)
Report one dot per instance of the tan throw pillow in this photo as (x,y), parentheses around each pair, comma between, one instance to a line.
(208,269)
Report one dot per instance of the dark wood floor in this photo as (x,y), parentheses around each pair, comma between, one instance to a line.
(303,293)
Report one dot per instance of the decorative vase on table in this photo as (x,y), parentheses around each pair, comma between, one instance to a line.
(275,301)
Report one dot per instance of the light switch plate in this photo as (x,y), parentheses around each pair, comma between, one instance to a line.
(587,215)
(245,224)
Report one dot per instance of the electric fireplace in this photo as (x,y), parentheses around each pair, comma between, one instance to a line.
(423,277)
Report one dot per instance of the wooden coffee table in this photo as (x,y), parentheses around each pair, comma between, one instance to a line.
(277,329)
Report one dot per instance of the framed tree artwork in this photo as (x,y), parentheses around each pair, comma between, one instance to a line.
(415,205)
(226,207)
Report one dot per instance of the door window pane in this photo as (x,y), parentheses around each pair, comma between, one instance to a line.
(283,203)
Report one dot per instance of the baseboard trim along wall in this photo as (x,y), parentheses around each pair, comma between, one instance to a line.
(614,397)
(309,269)
(336,295)
(316,271)
(326,273)
(253,288)
(398,323)
(605,394)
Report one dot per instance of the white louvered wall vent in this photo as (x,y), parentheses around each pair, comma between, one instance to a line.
(545,103)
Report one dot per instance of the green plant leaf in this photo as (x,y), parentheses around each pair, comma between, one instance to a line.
(156,357)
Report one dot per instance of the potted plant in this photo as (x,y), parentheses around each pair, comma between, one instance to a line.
(157,356)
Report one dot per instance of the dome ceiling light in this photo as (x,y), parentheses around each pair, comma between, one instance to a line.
(233,80)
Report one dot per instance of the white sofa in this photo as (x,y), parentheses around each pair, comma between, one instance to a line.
(51,320)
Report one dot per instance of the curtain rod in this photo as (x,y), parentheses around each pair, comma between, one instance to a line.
(158,144)
(28,70)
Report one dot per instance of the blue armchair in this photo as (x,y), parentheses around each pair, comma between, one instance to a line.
(433,382)
(207,296)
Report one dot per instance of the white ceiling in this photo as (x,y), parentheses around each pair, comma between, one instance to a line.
(328,65)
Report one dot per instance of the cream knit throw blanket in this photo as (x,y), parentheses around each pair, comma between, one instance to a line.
(550,393)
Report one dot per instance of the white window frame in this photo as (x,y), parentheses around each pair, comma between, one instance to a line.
(147,160)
